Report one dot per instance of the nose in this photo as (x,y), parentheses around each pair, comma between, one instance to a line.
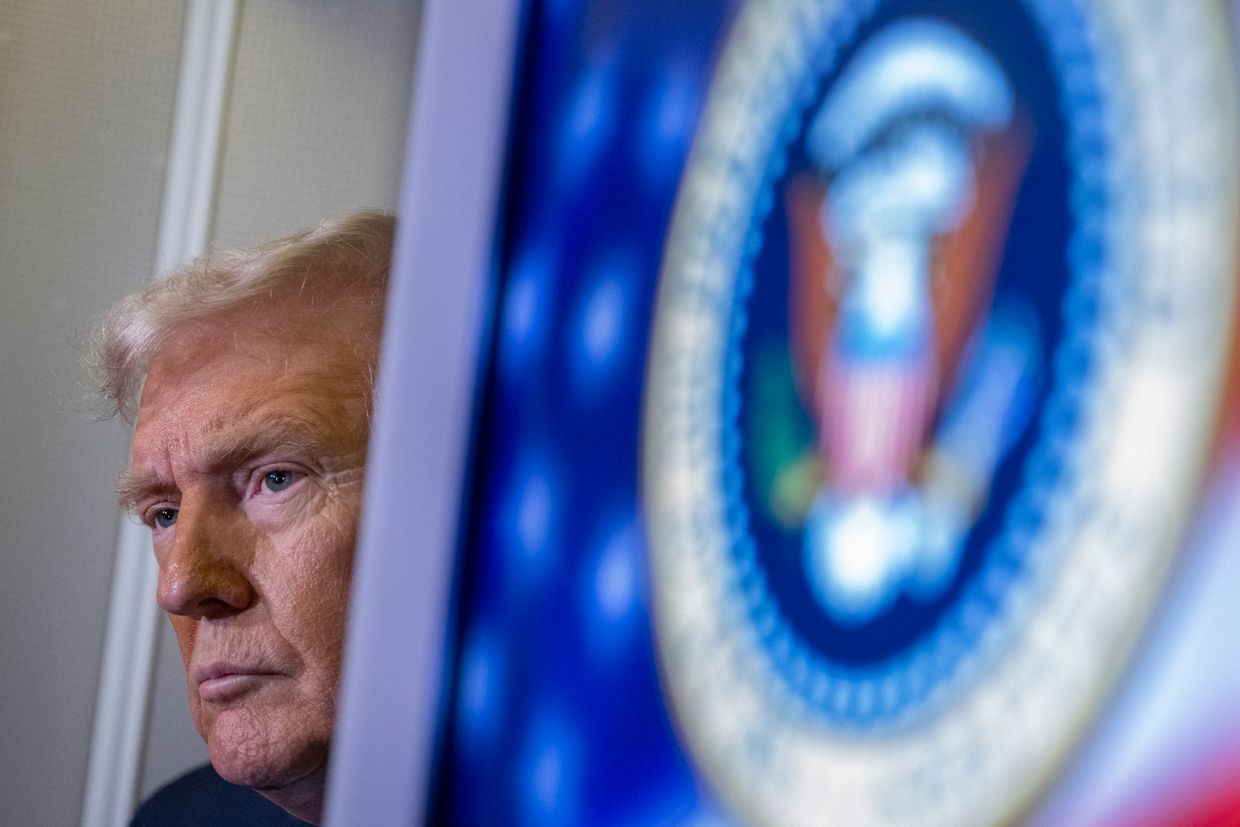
(204,572)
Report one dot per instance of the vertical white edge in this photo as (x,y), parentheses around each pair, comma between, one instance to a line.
(124,680)
(197,132)
(384,742)
(121,705)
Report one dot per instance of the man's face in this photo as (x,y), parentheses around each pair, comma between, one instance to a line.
(247,465)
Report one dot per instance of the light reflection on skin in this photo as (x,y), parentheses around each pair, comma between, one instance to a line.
(247,465)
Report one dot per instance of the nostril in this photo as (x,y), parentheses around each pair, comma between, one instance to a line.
(203,591)
(213,608)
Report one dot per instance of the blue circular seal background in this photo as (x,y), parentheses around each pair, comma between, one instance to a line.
(951,704)
(1060,208)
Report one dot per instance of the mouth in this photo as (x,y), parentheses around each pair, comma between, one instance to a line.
(221,682)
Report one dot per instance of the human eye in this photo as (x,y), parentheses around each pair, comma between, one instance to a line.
(278,480)
(161,518)
(274,481)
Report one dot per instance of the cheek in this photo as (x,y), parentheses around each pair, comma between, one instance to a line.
(325,585)
(315,555)
(307,590)
(186,631)
(311,521)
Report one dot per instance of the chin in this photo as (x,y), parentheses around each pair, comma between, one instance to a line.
(293,778)
(245,752)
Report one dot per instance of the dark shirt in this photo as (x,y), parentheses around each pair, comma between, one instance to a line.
(200,798)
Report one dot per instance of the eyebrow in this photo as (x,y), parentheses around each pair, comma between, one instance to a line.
(133,485)
(229,447)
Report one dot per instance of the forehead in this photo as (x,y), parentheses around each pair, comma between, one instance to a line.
(250,368)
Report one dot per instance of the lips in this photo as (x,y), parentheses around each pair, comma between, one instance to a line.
(222,681)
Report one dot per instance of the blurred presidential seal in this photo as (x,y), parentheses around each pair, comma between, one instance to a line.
(935,361)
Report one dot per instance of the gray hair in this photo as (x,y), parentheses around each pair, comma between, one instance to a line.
(348,254)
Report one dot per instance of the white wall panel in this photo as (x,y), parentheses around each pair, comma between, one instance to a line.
(316,121)
(86,95)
